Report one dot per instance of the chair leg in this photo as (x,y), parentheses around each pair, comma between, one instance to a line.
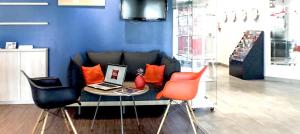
(193,115)
(196,120)
(38,121)
(191,120)
(65,119)
(70,121)
(44,124)
(163,119)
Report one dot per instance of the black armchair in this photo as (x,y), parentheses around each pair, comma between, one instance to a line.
(48,93)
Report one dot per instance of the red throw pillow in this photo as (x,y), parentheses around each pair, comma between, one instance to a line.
(93,74)
(154,74)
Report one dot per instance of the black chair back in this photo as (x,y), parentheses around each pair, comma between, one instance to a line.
(48,93)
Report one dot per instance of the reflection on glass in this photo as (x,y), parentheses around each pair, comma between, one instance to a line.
(284,42)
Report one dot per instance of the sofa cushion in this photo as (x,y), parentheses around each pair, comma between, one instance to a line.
(104,58)
(154,74)
(171,65)
(135,60)
(92,75)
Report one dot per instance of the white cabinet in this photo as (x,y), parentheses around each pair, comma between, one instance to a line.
(14,87)
(9,76)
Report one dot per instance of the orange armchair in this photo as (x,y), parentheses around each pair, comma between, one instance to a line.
(182,86)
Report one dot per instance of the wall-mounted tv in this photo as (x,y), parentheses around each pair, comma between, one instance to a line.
(144,10)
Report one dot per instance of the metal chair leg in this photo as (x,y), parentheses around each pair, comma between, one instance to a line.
(70,121)
(65,119)
(163,119)
(191,120)
(196,120)
(44,124)
(193,116)
(38,121)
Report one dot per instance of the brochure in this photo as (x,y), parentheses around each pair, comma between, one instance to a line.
(128,91)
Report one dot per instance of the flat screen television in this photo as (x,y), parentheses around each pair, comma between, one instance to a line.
(143,9)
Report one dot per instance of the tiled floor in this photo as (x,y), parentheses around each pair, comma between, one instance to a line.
(244,107)
(253,107)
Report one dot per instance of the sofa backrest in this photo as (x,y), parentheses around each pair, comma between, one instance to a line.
(133,60)
(172,65)
(104,58)
(136,60)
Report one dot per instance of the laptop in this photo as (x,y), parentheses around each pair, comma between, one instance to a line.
(114,78)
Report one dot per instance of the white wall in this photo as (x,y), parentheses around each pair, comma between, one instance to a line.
(232,32)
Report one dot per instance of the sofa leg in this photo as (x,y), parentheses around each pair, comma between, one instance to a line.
(164,117)
(79,108)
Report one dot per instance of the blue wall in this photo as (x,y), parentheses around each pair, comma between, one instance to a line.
(80,29)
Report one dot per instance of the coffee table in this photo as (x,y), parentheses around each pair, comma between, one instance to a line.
(114,93)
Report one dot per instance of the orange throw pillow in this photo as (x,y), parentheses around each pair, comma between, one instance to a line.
(154,74)
(93,74)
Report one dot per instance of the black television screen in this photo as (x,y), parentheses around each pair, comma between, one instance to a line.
(143,9)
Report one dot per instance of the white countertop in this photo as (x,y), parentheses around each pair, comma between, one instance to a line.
(23,50)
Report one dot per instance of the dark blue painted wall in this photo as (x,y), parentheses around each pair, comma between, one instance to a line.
(80,29)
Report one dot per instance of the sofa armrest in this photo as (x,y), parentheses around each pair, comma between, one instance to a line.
(75,77)
(172,65)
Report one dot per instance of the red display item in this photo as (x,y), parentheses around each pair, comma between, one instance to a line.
(139,82)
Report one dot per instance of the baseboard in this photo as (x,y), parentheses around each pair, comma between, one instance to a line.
(222,64)
(282,80)
(15,102)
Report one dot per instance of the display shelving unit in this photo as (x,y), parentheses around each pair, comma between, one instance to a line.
(247,60)
(196,44)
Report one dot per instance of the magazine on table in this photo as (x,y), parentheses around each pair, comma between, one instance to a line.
(128,91)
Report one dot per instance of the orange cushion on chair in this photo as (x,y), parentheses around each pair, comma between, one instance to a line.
(154,74)
(93,74)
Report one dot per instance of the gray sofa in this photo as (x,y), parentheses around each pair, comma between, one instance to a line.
(133,61)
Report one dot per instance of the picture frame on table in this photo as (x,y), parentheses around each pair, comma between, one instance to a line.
(11,45)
